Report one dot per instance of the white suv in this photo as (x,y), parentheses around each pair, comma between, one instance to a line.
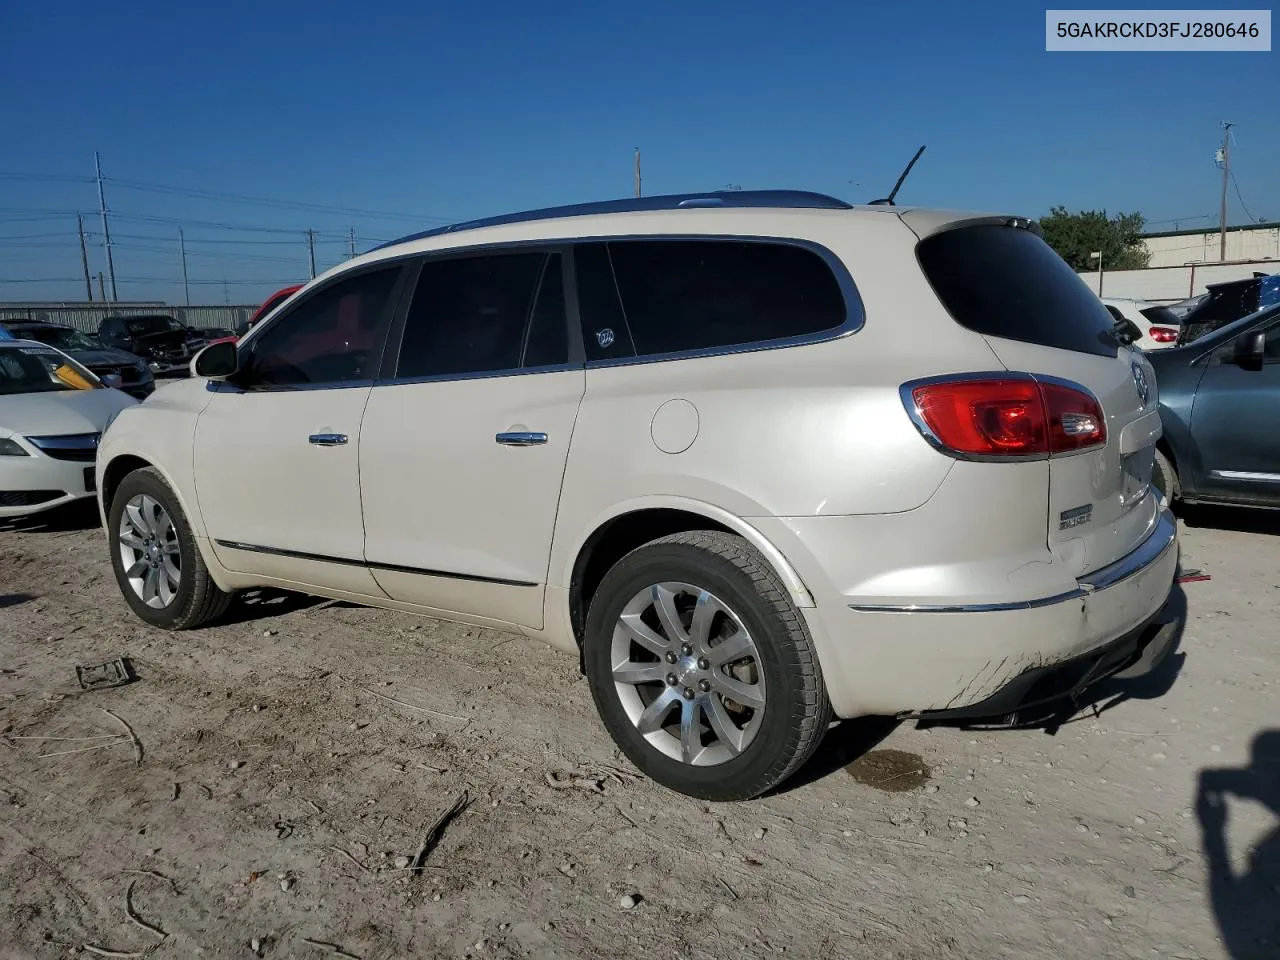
(759,458)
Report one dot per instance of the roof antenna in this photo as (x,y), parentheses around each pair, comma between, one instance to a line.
(888,201)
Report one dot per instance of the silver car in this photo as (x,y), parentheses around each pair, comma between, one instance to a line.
(758,459)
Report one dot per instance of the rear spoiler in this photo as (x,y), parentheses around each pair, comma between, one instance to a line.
(925,223)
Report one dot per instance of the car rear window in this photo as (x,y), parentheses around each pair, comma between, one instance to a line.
(1006,282)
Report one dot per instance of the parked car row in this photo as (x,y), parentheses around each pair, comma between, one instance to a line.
(53,411)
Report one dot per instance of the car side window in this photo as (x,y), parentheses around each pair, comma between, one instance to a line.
(333,336)
(684,295)
(485,314)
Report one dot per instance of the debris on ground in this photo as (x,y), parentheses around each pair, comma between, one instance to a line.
(110,673)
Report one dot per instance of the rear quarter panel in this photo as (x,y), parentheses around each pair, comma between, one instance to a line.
(814,430)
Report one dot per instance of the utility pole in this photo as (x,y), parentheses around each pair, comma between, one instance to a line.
(182,246)
(1226,173)
(637,171)
(106,228)
(102,290)
(353,243)
(311,251)
(226,294)
(84,258)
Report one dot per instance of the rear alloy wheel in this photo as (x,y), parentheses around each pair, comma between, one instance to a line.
(154,556)
(702,668)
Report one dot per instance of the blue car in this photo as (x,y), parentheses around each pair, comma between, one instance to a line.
(1219,396)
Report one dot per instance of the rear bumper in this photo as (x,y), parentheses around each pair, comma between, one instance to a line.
(930,660)
(1133,655)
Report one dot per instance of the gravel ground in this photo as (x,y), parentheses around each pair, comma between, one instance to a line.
(290,764)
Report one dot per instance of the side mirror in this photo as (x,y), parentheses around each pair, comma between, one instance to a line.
(217,361)
(112,380)
(1249,350)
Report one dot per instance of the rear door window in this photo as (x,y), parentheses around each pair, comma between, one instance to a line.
(1006,282)
(654,297)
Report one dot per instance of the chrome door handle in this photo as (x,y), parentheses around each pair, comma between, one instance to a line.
(521,438)
(327,439)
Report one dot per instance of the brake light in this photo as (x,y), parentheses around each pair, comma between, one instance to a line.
(1163,334)
(1006,417)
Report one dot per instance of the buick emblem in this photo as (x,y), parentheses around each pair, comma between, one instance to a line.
(605,337)
(1140,384)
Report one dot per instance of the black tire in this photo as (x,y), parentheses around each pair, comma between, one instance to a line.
(1165,479)
(796,712)
(198,600)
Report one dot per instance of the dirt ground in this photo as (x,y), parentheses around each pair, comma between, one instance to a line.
(290,763)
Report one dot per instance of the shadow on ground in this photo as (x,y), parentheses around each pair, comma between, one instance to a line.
(13,599)
(1245,893)
(267,603)
(79,515)
(1241,519)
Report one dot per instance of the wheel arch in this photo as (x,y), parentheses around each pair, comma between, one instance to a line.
(629,526)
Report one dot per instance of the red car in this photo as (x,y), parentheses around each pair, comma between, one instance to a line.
(268,305)
(272,302)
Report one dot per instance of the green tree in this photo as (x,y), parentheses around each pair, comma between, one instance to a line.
(1075,235)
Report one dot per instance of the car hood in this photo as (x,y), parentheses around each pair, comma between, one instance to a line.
(60,412)
(103,357)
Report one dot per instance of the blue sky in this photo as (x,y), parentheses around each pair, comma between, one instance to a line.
(441,111)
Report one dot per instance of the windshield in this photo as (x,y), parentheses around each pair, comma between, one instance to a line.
(41,370)
(1235,328)
(64,338)
(141,326)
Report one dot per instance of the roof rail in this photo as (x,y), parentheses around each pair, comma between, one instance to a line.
(786,199)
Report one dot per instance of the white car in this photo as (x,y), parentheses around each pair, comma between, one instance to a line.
(758,458)
(1158,324)
(52,412)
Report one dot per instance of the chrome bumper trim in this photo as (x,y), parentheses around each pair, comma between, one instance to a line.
(1147,553)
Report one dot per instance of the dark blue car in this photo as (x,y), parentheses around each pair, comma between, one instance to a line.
(1220,409)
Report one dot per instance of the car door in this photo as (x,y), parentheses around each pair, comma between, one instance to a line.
(1233,424)
(277,447)
(464,444)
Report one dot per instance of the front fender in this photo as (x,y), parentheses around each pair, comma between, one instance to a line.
(161,433)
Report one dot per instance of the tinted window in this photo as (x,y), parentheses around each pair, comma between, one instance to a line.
(142,326)
(547,340)
(1006,282)
(472,314)
(604,329)
(681,295)
(330,337)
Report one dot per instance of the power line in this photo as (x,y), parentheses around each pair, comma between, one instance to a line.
(269,202)
(1236,183)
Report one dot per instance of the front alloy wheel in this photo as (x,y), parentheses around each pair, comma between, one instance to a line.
(149,551)
(155,558)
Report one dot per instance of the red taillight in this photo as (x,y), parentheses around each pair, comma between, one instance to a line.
(1163,334)
(1008,417)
